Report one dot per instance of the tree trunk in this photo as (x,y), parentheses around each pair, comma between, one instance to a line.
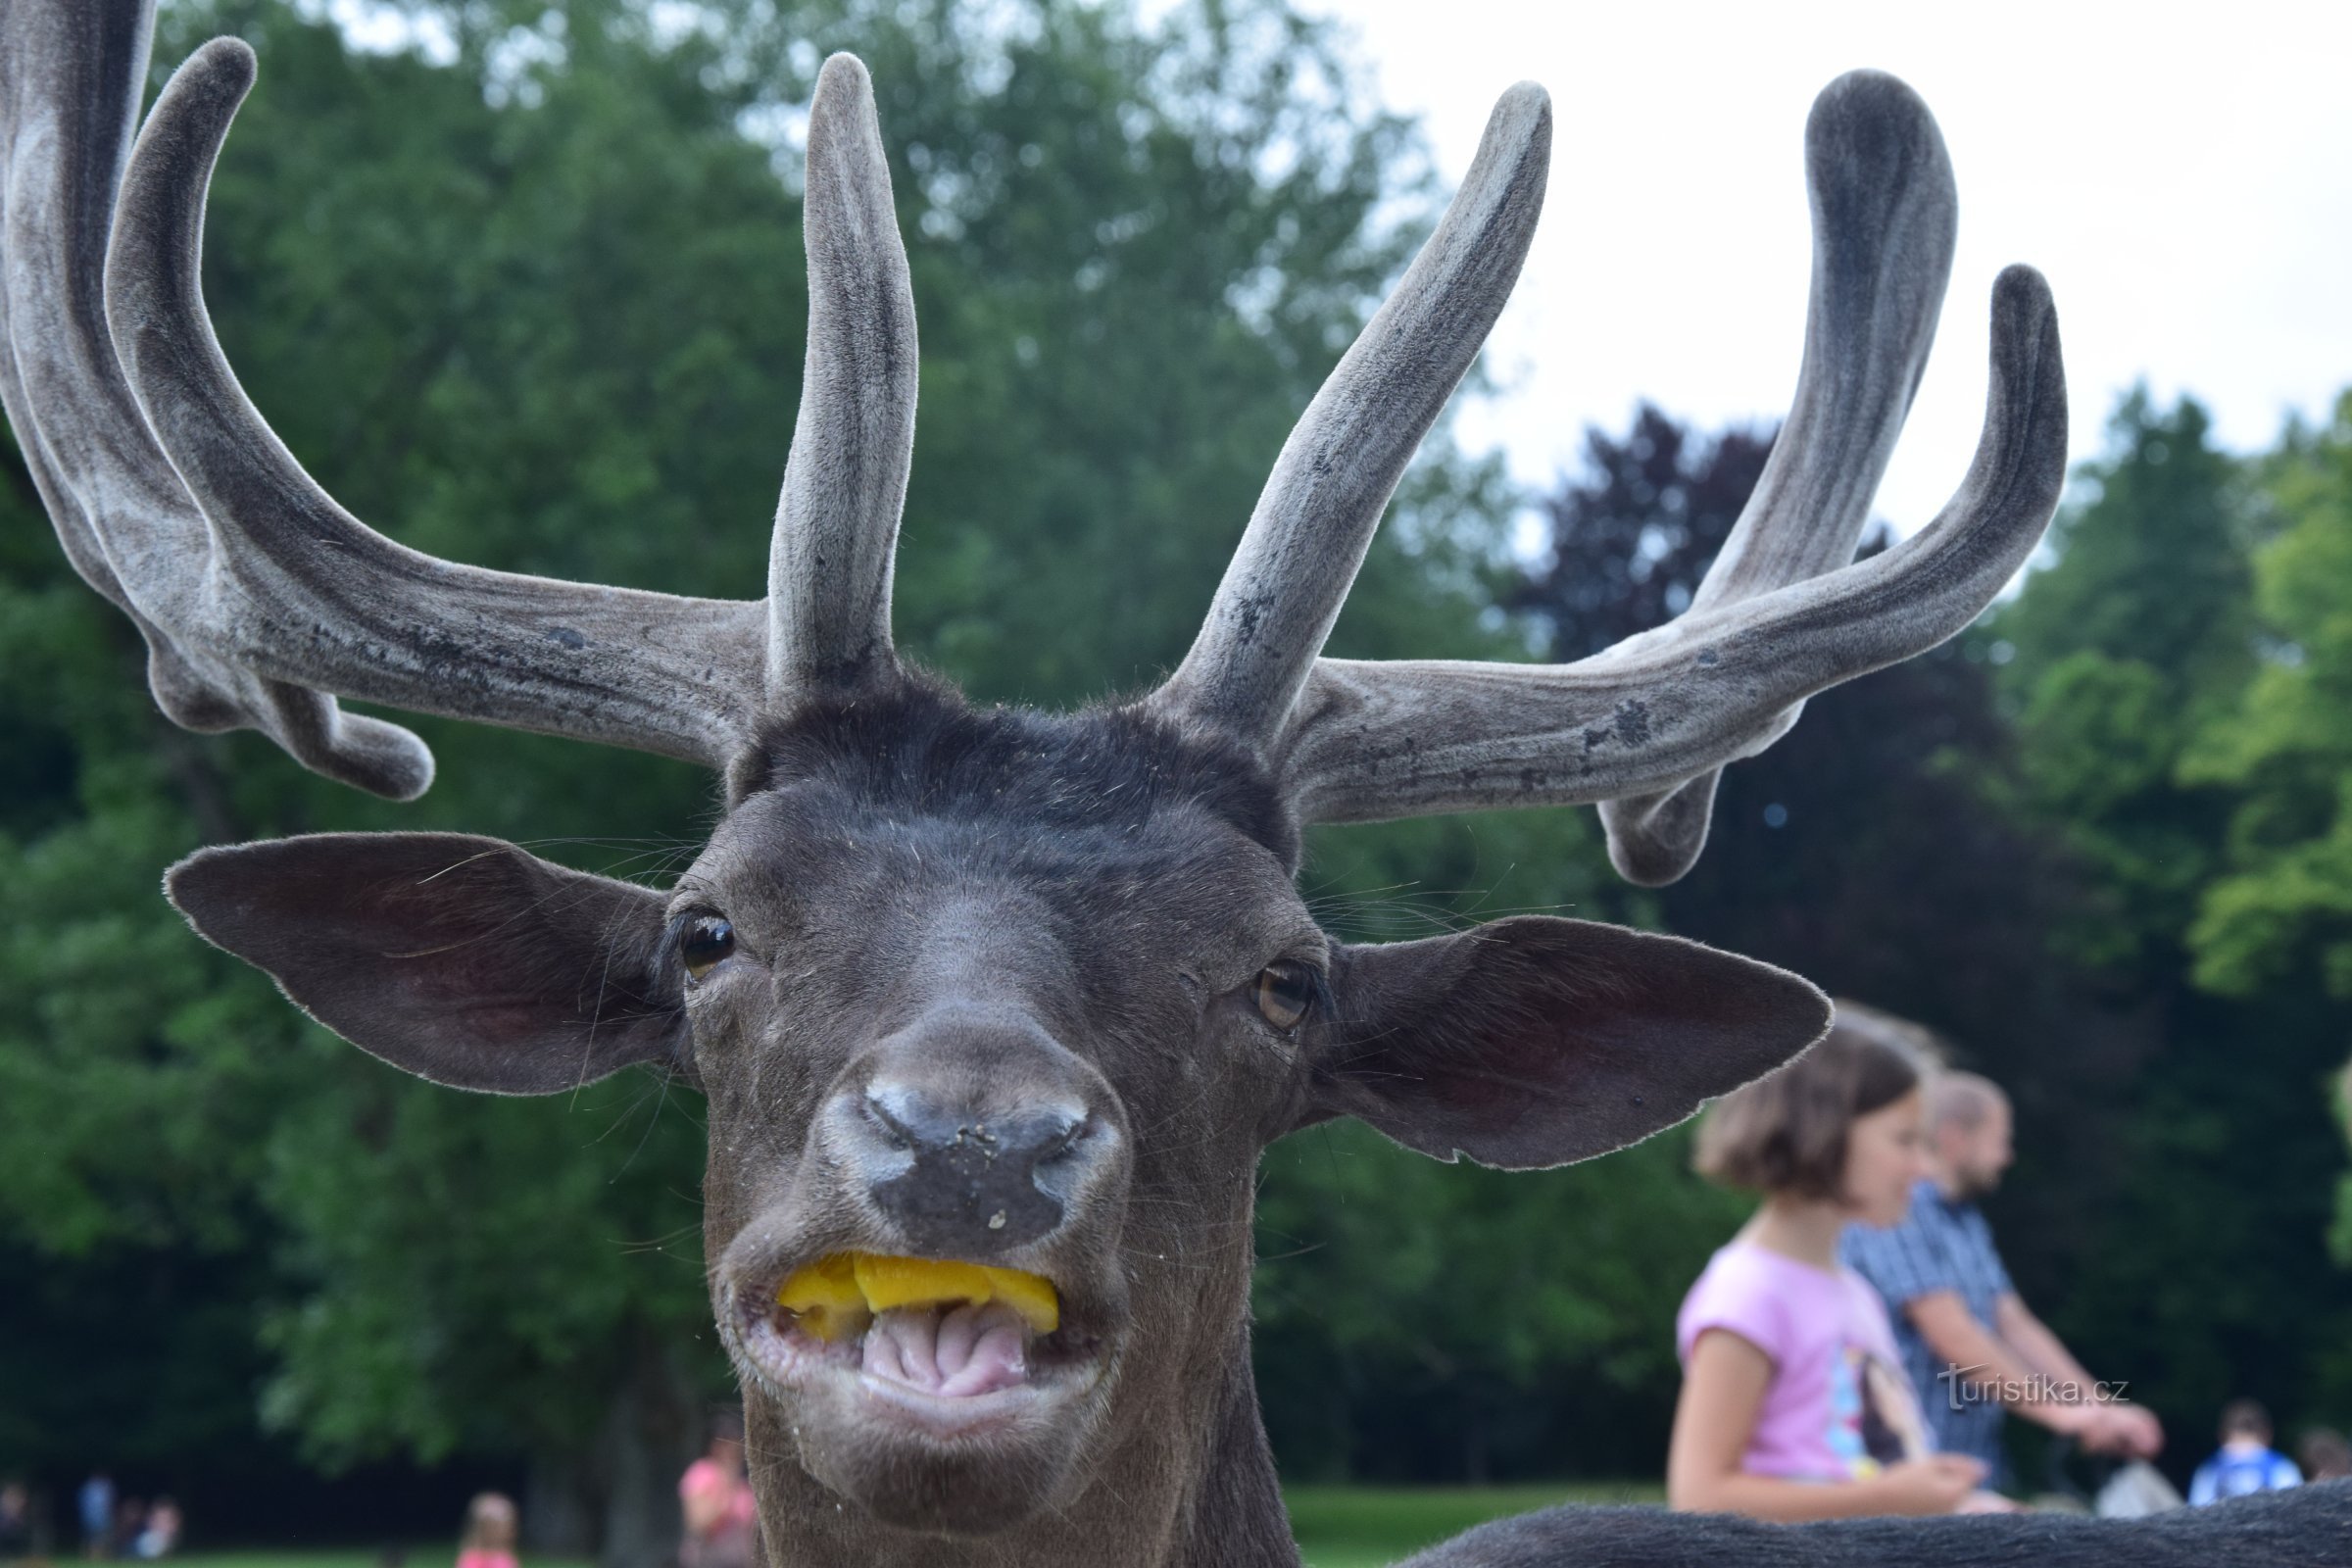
(559,1508)
(653,1432)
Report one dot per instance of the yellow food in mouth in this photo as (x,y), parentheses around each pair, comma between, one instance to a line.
(833,1297)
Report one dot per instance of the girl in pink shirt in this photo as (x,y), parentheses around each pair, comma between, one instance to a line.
(1794,1405)
(722,1521)
(489,1538)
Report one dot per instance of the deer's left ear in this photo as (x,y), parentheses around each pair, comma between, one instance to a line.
(460,959)
(1534,1042)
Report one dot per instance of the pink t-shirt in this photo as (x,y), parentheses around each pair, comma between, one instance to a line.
(705,1479)
(1837,1407)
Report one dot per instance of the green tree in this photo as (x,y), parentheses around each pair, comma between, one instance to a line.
(2149,556)
(2140,626)
(2280,916)
(2208,1274)
(2283,747)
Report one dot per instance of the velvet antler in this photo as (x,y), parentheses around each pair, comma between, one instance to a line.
(1644,726)
(262,600)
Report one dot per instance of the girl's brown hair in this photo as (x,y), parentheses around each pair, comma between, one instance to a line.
(1785,1132)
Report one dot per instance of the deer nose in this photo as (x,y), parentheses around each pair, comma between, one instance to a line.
(974,1182)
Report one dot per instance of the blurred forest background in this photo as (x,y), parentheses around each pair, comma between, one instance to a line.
(540,306)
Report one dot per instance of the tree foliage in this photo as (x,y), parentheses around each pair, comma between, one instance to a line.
(2279,918)
(2285,749)
(1630,539)
(2209,1276)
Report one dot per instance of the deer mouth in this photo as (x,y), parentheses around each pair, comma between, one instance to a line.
(946,1348)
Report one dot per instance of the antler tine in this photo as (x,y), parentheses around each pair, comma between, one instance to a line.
(297,590)
(1885,214)
(1315,518)
(1374,741)
(837,527)
(72,75)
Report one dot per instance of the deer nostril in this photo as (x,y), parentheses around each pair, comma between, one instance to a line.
(894,1131)
(1062,1144)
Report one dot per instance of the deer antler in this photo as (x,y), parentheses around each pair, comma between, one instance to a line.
(1644,726)
(837,528)
(1378,740)
(262,600)
(1316,515)
(1883,217)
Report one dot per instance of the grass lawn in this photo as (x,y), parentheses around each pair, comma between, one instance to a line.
(437,1555)
(1365,1527)
(1339,1526)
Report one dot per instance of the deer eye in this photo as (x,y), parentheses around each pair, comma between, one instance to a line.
(705,944)
(1285,991)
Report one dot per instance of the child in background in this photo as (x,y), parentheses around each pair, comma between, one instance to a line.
(161,1535)
(16,1521)
(2325,1454)
(1794,1405)
(722,1521)
(489,1540)
(2246,1463)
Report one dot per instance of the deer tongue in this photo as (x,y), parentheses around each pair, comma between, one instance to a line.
(949,1351)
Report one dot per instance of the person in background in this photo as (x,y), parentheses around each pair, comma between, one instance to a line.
(1793,1405)
(130,1518)
(95,1503)
(722,1520)
(161,1535)
(1971,1346)
(2325,1454)
(16,1521)
(489,1538)
(2246,1462)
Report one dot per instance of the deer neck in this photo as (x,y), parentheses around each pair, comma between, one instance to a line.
(1193,1490)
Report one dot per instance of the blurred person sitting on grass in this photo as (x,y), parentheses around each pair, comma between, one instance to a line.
(489,1538)
(2325,1454)
(16,1521)
(722,1520)
(1971,1347)
(94,1502)
(2246,1463)
(158,1537)
(131,1521)
(1794,1403)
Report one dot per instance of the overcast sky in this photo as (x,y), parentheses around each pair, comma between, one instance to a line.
(2182,176)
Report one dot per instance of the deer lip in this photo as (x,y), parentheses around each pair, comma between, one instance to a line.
(943,1416)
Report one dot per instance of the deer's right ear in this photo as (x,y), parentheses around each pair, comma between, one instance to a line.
(460,959)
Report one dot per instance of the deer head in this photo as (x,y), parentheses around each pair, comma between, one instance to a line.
(1011,989)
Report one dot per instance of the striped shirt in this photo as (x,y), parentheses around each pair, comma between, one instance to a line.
(1941,1245)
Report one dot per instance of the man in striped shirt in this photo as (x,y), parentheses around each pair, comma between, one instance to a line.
(1974,1349)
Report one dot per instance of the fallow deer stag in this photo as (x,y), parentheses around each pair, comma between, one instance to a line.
(1023,992)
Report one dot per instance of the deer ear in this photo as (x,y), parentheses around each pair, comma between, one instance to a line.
(460,959)
(1534,1042)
